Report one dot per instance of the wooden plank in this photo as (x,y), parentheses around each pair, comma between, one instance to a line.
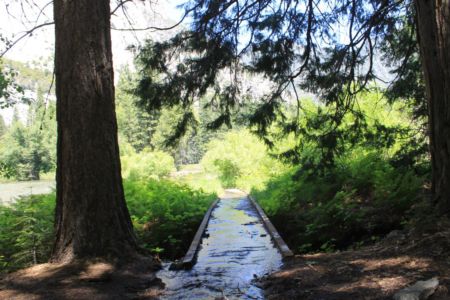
(279,242)
(189,259)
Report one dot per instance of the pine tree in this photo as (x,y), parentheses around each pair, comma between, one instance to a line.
(92,219)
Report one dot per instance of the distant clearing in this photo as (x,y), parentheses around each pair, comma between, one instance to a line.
(10,191)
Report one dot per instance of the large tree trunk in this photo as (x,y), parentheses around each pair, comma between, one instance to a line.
(92,219)
(433,18)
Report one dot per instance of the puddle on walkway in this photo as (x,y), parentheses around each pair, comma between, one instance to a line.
(237,250)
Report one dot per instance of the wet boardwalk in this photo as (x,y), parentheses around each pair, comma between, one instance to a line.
(236,248)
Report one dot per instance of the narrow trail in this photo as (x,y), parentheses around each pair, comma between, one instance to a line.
(236,248)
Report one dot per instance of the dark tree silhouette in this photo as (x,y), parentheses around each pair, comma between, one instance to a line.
(92,219)
(433,19)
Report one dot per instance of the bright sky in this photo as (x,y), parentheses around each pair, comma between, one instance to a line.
(15,20)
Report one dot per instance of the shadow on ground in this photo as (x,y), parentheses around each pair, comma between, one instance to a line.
(83,280)
(375,272)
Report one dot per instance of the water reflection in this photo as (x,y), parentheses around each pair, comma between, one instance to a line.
(236,249)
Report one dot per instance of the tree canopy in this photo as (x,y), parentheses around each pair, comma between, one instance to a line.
(334,50)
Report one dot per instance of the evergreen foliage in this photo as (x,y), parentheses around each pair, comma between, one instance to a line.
(26,232)
(152,130)
(329,49)
(28,150)
(136,126)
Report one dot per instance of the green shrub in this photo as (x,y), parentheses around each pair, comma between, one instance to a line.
(229,172)
(25,152)
(240,160)
(26,231)
(358,200)
(165,214)
(146,164)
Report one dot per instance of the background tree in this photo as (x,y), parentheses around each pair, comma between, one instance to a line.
(136,126)
(10,91)
(28,150)
(329,49)
(3,127)
(153,130)
(92,219)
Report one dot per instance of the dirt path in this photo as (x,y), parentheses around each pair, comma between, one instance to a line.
(374,273)
(87,280)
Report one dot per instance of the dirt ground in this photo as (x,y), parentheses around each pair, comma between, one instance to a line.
(83,280)
(374,272)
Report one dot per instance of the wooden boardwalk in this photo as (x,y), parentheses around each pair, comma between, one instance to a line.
(189,259)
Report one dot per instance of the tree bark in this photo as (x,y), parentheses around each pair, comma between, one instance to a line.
(92,219)
(433,20)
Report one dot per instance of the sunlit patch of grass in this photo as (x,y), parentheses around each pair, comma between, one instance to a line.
(197,178)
